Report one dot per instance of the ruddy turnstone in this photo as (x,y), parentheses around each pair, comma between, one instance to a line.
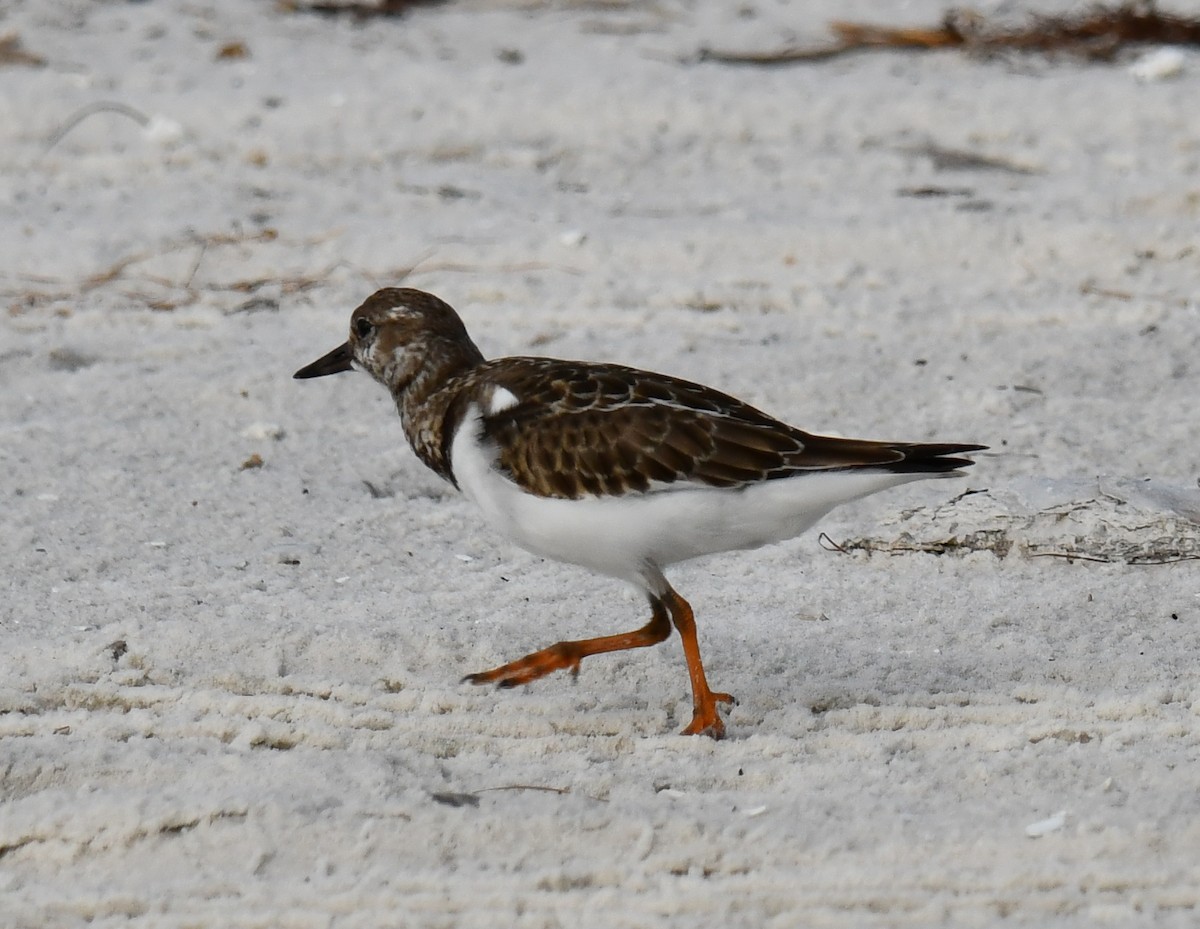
(612,468)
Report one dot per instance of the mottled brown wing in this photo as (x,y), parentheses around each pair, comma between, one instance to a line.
(584,429)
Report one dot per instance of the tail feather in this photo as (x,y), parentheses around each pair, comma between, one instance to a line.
(932,458)
(836,454)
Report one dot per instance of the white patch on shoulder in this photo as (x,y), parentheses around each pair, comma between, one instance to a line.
(502,399)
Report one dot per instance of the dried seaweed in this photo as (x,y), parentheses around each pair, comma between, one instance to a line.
(1097,33)
(1098,527)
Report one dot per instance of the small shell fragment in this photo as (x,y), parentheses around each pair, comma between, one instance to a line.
(1162,64)
(1046,826)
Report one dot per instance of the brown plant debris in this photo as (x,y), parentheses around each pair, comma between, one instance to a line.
(165,293)
(956,159)
(233,51)
(161,280)
(927,191)
(13,53)
(1097,33)
(354,8)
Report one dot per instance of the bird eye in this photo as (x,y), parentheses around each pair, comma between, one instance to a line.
(363,327)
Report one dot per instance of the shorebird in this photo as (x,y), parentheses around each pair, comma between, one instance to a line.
(612,468)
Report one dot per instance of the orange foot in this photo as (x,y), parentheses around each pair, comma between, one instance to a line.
(564,656)
(706,720)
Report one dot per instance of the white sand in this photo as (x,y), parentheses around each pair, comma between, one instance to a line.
(277,741)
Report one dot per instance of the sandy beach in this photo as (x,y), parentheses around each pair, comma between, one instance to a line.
(236,609)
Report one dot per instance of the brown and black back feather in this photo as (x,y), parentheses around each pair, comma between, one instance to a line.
(584,429)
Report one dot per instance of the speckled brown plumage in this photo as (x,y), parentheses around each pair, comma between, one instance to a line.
(604,429)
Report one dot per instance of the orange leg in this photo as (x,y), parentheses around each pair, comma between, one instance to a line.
(705,718)
(567,655)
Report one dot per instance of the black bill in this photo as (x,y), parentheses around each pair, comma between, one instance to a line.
(335,362)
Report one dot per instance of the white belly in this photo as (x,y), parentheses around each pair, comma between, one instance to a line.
(634,536)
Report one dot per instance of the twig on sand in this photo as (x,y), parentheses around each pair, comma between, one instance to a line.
(1093,289)
(561,791)
(549,790)
(1135,560)
(829,545)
